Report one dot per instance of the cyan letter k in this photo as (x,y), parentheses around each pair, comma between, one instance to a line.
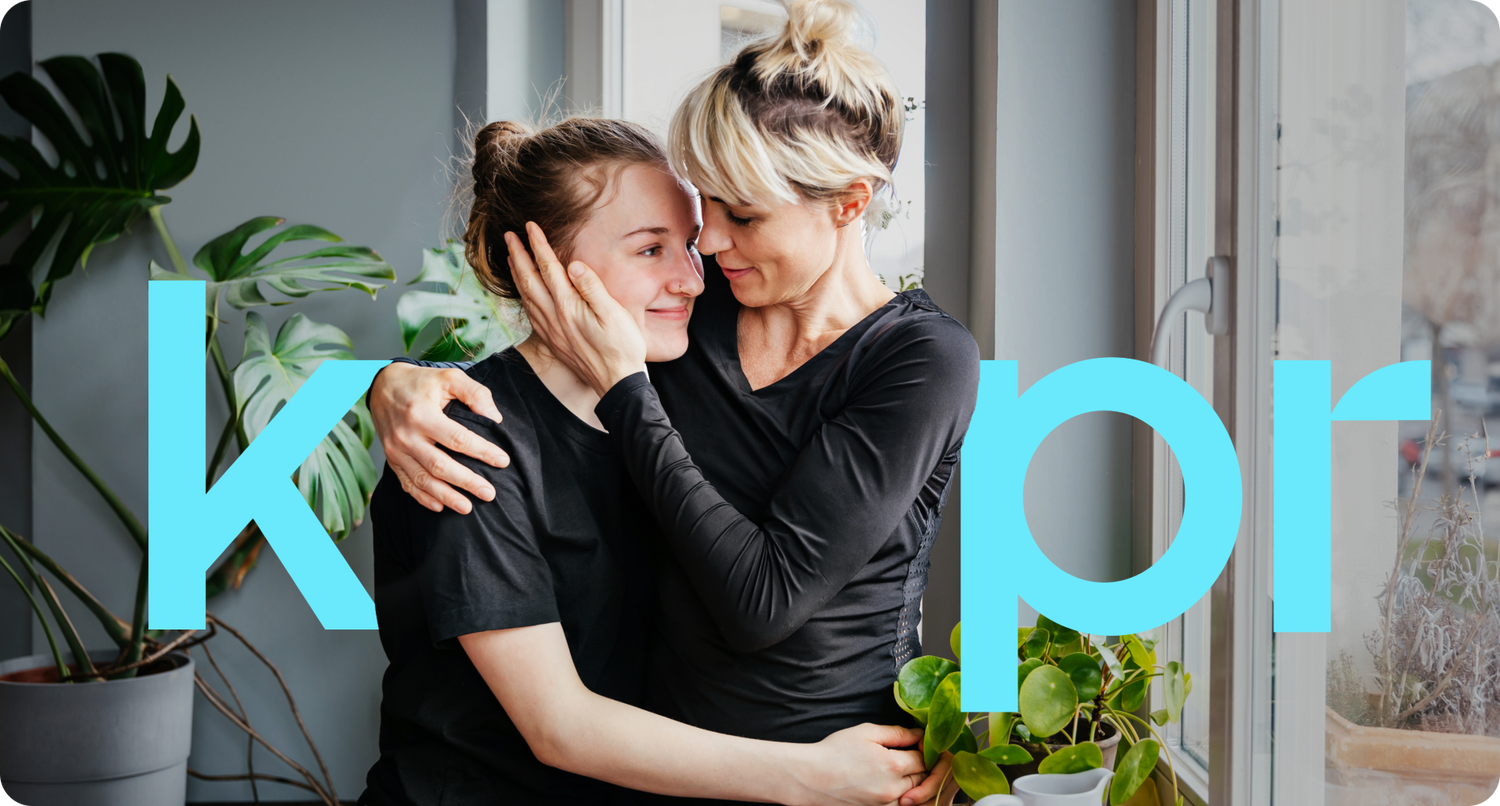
(191,528)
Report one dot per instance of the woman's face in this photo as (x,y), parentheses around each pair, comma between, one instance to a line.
(771,254)
(641,243)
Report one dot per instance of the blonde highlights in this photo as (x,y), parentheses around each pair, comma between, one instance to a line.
(799,115)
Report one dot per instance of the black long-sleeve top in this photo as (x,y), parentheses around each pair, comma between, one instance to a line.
(800,516)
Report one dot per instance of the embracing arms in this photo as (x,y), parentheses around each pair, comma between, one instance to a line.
(571,728)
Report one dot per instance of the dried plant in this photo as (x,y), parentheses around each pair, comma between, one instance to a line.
(1437,650)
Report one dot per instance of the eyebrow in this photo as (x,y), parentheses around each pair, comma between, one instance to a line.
(651,230)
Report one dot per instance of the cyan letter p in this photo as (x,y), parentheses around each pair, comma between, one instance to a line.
(1001,560)
(190,528)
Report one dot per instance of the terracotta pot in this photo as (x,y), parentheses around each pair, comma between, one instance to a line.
(117,742)
(1387,767)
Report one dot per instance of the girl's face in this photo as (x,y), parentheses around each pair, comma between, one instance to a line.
(771,254)
(641,243)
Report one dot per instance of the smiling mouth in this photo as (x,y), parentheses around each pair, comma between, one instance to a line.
(675,314)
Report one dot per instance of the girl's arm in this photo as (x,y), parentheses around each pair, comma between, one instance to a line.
(569,727)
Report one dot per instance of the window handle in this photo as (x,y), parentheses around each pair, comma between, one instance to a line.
(1209,295)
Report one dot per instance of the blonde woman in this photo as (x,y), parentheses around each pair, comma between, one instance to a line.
(798,455)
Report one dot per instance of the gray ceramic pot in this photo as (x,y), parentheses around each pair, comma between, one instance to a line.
(121,742)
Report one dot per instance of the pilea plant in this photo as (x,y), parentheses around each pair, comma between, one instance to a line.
(1076,692)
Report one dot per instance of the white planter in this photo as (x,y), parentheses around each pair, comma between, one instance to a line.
(119,742)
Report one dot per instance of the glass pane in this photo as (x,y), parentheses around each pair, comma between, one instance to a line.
(1387,223)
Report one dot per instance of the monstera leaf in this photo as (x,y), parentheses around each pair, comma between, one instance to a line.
(473,324)
(239,273)
(103,178)
(339,476)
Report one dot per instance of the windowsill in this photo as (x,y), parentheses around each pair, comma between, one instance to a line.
(1192,779)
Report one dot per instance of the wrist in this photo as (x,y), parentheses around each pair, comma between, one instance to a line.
(800,768)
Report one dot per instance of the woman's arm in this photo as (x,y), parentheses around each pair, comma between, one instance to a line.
(838,502)
(569,727)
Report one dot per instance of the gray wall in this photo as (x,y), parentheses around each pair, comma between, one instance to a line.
(338,113)
(946,261)
(1063,243)
(1030,237)
(15,423)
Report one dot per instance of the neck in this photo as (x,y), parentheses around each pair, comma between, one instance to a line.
(840,298)
(562,382)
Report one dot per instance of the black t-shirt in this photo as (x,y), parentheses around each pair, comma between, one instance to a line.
(799,517)
(565,540)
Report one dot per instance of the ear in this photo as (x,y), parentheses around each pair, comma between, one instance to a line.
(853,202)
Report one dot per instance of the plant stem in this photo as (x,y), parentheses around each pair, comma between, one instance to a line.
(118,630)
(137,621)
(132,525)
(64,625)
(166,237)
(220,448)
(226,380)
(62,668)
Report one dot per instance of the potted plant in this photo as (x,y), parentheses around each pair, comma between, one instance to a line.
(1427,732)
(1078,698)
(114,726)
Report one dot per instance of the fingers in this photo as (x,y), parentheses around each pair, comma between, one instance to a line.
(550,268)
(535,296)
(590,287)
(895,736)
(479,400)
(925,788)
(420,469)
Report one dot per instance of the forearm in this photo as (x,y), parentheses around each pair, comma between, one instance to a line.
(605,739)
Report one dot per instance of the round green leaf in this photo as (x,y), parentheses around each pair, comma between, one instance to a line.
(1060,634)
(967,742)
(1129,697)
(1024,670)
(919,713)
(944,720)
(953,641)
(1048,700)
(1007,754)
(1084,671)
(1077,758)
(979,776)
(1036,643)
(1131,770)
(1142,656)
(1000,724)
(1176,689)
(918,681)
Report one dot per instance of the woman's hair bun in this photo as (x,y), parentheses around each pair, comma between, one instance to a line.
(497,133)
(813,24)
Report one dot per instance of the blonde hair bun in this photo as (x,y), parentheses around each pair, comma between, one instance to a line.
(798,115)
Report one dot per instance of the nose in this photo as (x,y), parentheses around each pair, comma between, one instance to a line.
(714,237)
(687,275)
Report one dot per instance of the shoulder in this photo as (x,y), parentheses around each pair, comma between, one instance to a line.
(917,330)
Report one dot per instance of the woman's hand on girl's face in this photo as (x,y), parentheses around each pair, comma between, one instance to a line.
(867,765)
(580,322)
(406,404)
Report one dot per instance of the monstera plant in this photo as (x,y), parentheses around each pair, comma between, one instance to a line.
(1077,697)
(109,174)
(468,320)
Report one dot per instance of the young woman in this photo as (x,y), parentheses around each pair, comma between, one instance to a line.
(516,634)
(798,455)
